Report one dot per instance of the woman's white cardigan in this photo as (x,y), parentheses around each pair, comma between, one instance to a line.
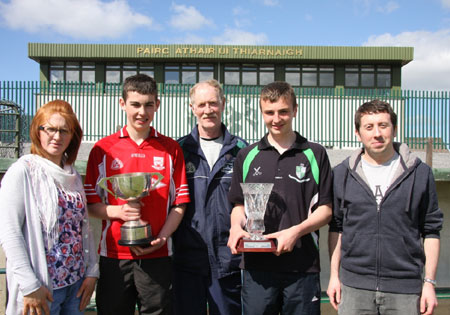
(22,239)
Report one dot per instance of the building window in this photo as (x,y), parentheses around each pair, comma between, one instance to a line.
(147,68)
(118,72)
(129,69)
(326,76)
(113,72)
(248,74)
(293,74)
(368,76)
(88,72)
(266,74)
(310,75)
(187,73)
(172,74)
(232,74)
(351,76)
(72,71)
(56,71)
(384,76)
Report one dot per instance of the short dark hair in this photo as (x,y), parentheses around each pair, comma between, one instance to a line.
(272,92)
(42,115)
(141,83)
(374,107)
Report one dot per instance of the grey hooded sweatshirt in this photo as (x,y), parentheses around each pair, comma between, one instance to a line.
(382,244)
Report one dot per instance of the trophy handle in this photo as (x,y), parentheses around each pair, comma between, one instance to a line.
(160,177)
(102,184)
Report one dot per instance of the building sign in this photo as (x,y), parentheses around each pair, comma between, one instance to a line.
(41,51)
(219,51)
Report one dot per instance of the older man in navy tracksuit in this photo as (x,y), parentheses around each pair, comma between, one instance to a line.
(206,275)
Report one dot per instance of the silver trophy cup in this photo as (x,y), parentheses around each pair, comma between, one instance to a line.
(256,196)
(132,187)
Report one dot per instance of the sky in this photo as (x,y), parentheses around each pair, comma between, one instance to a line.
(422,24)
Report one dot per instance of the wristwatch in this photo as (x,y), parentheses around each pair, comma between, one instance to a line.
(433,282)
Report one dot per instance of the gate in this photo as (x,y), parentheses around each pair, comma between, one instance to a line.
(10,118)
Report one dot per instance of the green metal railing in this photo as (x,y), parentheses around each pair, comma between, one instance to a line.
(325,115)
(10,129)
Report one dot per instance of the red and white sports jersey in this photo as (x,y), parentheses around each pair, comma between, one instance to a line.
(119,154)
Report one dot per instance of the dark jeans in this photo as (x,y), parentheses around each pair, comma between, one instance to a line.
(123,283)
(194,292)
(283,293)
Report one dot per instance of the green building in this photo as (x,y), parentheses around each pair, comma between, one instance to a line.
(302,66)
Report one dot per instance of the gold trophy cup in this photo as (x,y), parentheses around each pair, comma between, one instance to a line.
(132,187)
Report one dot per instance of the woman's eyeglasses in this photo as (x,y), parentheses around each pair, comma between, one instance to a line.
(51,131)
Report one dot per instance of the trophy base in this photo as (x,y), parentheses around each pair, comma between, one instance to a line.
(142,243)
(140,235)
(248,245)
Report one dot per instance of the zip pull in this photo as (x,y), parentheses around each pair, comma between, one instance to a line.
(378,207)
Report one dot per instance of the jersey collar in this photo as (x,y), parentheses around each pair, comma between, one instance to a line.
(124,133)
(300,143)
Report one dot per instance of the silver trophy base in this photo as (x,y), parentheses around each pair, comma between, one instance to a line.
(136,235)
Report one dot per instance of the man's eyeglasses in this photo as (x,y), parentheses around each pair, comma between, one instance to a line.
(51,131)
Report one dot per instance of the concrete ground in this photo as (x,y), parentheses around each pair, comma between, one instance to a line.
(326,308)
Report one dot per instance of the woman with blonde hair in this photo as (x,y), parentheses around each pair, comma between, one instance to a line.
(51,262)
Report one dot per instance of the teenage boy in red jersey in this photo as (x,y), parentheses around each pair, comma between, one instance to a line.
(135,274)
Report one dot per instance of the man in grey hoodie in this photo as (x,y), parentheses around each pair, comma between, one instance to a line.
(384,235)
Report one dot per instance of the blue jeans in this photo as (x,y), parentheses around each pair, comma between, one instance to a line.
(366,302)
(65,301)
(286,293)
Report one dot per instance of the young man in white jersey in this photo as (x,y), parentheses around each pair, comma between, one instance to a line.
(384,235)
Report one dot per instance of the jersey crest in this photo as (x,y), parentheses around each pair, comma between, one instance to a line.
(116,164)
(158,163)
(300,171)
(190,168)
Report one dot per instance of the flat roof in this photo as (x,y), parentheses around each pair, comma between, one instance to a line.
(48,51)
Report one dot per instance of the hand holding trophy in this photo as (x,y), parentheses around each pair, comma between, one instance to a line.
(256,196)
(132,187)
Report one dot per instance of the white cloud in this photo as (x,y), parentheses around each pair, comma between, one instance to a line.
(308,17)
(389,7)
(82,19)
(240,11)
(446,3)
(239,37)
(188,18)
(241,20)
(361,7)
(188,39)
(242,23)
(430,67)
(267,3)
(270,3)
